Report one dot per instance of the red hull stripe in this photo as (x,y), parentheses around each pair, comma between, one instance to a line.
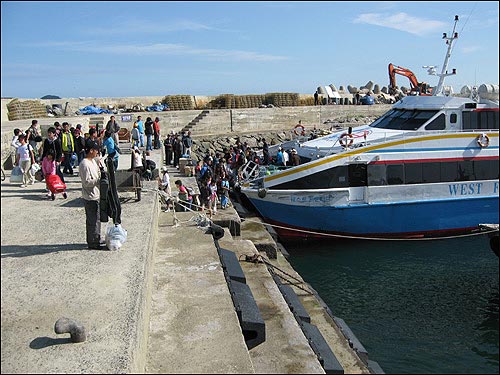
(486,110)
(290,232)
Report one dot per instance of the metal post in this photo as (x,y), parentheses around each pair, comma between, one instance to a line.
(231,116)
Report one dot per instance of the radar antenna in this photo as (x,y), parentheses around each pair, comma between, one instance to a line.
(444,72)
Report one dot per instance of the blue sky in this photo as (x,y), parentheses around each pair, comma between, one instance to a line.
(119,49)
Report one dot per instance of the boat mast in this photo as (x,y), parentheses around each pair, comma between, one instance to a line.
(444,72)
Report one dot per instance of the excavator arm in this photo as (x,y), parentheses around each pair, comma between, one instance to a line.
(416,87)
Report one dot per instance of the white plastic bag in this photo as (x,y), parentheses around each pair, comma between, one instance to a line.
(17,175)
(35,168)
(115,236)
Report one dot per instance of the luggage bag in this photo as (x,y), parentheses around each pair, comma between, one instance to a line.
(55,184)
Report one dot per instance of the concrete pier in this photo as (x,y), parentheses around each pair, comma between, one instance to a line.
(158,305)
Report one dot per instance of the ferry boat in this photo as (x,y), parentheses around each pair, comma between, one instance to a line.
(429,167)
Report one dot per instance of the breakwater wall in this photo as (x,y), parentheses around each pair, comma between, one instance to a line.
(215,122)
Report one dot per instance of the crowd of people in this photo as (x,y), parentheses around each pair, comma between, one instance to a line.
(66,147)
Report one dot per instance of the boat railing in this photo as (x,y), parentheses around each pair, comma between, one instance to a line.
(253,171)
(336,148)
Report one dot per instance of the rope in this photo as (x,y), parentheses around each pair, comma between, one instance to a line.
(257,258)
(483,232)
(320,234)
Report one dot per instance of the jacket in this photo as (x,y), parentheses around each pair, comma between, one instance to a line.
(67,141)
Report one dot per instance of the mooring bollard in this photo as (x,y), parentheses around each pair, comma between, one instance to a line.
(74,328)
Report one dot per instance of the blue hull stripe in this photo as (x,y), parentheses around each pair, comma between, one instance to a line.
(363,219)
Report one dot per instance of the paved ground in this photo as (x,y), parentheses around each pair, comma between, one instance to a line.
(159,304)
(47,273)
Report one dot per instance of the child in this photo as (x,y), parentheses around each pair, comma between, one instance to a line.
(184,195)
(134,134)
(224,196)
(213,196)
(24,159)
(52,180)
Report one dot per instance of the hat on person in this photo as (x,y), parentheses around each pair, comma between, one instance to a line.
(163,169)
(91,145)
(294,151)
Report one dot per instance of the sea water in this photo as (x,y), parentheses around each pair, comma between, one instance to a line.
(416,306)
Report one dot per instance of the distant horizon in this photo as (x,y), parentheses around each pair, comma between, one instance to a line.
(109,49)
(455,92)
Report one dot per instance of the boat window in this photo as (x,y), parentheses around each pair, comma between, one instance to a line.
(376,175)
(398,119)
(395,174)
(331,178)
(413,173)
(449,171)
(465,171)
(431,172)
(453,118)
(486,169)
(492,120)
(439,123)
(357,175)
(480,120)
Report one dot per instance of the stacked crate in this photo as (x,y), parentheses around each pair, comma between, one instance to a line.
(179,102)
(283,99)
(28,109)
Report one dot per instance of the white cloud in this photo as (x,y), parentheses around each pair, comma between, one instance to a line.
(401,21)
(163,49)
(134,26)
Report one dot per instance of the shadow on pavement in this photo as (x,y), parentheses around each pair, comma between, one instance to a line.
(44,342)
(29,250)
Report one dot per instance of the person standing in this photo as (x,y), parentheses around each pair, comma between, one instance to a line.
(68,147)
(279,157)
(169,150)
(14,145)
(134,135)
(93,137)
(177,150)
(295,158)
(187,143)
(33,137)
(286,157)
(79,146)
(149,131)
(111,148)
(140,126)
(156,128)
(53,143)
(90,175)
(113,127)
(184,196)
(265,151)
(316,98)
(24,159)
(164,181)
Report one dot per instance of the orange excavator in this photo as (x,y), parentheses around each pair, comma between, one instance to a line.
(417,88)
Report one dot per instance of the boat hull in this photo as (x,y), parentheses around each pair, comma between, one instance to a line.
(425,218)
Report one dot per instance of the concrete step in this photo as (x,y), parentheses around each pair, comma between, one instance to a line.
(286,349)
(193,324)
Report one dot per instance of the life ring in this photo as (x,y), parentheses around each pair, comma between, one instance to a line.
(483,140)
(343,140)
(302,131)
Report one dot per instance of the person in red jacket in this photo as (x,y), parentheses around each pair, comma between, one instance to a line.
(156,129)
